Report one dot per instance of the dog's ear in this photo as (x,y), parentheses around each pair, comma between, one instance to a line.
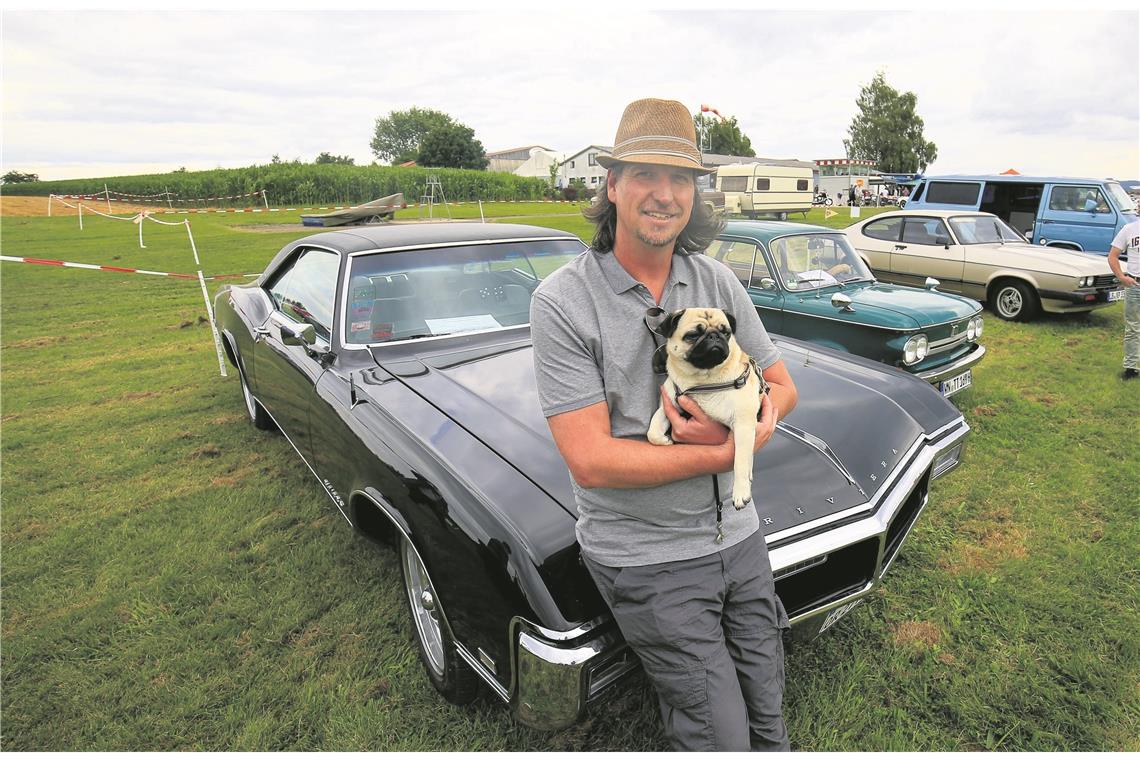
(731,322)
(669,324)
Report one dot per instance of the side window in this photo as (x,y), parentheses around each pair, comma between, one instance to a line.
(959,193)
(734,184)
(884,229)
(801,184)
(925,231)
(306,291)
(739,255)
(1083,198)
(917,196)
(763,183)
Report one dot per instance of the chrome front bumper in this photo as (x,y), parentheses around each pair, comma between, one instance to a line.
(939,374)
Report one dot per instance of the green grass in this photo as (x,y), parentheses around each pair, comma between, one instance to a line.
(174,579)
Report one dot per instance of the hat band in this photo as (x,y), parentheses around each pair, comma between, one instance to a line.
(678,154)
(666,138)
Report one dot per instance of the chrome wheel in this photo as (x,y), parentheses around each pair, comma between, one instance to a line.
(1014,301)
(425,611)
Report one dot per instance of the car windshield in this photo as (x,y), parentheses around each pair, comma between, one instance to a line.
(1123,200)
(974,230)
(423,293)
(817,260)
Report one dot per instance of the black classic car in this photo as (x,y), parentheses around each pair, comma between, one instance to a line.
(397,361)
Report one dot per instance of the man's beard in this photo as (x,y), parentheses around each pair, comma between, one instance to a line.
(658,242)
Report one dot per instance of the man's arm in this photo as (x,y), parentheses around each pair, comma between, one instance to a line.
(1114,264)
(598,460)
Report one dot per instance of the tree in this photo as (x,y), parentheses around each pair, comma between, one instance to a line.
(454,146)
(398,137)
(887,130)
(14,177)
(724,136)
(328,158)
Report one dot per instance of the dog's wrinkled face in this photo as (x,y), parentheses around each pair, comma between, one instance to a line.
(702,337)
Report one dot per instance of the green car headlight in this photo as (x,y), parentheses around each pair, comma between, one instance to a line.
(915,349)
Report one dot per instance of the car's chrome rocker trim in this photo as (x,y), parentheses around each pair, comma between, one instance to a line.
(555,674)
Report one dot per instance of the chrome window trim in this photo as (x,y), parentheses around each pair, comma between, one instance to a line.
(343,304)
(772,258)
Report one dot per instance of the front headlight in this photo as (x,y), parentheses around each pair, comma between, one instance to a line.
(974,329)
(915,349)
(981,326)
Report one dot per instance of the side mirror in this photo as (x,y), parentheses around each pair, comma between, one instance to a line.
(931,283)
(304,335)
(767,283)
(841,302)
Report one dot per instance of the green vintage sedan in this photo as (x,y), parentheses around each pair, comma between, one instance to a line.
(808,282)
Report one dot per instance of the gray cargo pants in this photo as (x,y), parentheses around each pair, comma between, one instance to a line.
(708,633)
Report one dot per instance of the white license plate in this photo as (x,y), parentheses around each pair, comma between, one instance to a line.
(956,383)
(1116,295)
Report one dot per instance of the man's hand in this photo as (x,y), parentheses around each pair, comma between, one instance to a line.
(766,425)
(698,428)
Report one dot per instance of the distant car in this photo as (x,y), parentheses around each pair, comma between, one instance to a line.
(808,282)
(980,256)
(397,361)
(1079,213)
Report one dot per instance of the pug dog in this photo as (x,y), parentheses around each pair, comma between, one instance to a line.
(703,360)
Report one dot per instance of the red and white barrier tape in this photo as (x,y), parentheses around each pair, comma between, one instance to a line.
(104,268)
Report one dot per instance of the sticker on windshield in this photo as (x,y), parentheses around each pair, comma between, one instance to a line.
(462,324)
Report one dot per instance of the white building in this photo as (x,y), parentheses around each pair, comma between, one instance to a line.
(584,166)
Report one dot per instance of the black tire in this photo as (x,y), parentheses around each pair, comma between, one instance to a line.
(257,414)
(828,202)
(1014,301)
(446,670)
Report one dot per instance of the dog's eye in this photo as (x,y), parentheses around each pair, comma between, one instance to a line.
(723,329)
(692,336)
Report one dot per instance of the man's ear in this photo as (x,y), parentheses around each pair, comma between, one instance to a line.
(731,322)
(669,324)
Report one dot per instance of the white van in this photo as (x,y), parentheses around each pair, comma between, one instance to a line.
(755,189)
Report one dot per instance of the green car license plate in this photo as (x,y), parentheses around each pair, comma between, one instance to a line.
(956,383)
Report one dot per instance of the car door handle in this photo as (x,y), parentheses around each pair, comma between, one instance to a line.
(259,333)
(900,247)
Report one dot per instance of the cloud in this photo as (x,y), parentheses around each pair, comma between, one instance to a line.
(233,88)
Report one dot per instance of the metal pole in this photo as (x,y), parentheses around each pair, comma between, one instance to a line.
(107,195)
(481,219)
(168,203)
(50,196)
(264,200)
(80,204)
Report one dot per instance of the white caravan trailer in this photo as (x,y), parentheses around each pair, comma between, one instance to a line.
(757,189)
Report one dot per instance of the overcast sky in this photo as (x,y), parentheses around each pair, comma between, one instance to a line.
(127,92)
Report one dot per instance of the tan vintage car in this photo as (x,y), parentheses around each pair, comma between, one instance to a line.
(980,256)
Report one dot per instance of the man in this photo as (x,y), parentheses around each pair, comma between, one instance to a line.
(702,615)
(1127,241)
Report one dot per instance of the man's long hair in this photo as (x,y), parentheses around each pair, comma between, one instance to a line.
(703,227)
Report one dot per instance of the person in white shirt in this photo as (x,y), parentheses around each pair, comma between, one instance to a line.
(1127,242)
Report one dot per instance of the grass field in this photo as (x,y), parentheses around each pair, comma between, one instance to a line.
(174,579)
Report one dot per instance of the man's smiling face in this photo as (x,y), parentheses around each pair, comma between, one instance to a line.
(653,202)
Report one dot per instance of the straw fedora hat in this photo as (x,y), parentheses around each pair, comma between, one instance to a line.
(654,131)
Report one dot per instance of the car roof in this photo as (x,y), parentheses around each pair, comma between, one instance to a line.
(939,212)
(768,230)
(1014,178)
(400,235)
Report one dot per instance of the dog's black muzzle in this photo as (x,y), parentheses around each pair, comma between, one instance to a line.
(710,351)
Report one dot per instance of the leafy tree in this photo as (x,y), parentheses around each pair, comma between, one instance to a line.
(328,158)
(724,136)
(452,145)
(553,172)
(888,131)
(399,135)
(14,177)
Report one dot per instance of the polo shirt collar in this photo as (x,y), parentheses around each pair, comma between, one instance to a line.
(680,272)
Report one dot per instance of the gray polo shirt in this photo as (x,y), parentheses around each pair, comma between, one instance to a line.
(591,345)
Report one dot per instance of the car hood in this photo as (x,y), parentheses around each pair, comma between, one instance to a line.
(824,466)
(1039,258)
(899,306)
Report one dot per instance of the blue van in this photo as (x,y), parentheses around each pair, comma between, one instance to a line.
(1077,213)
